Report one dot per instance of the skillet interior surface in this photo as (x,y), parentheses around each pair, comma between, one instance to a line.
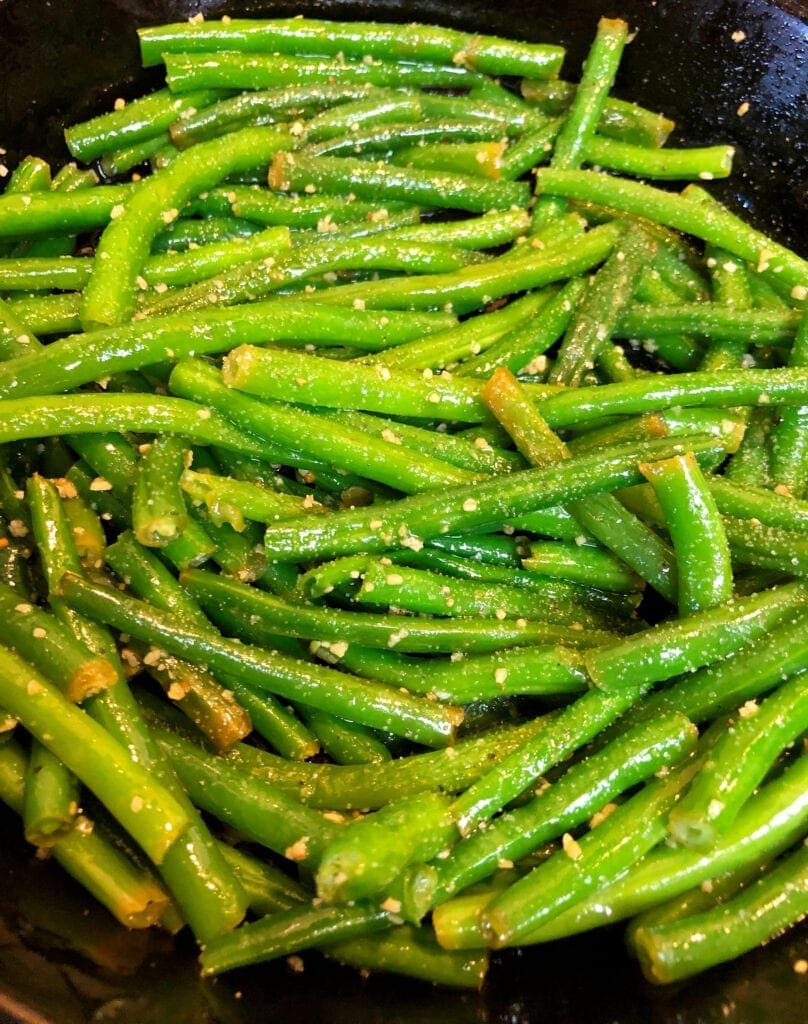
(63,961)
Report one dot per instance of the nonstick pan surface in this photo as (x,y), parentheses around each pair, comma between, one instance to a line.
(63,961)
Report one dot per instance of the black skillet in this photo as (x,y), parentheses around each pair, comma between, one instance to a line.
(63,961)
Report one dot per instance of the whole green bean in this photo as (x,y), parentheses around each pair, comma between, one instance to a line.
(229,70)
(490,54)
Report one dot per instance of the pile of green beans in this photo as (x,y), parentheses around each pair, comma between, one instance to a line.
(438,526)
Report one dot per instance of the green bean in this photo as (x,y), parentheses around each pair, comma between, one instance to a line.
(180,269)
(738,763)
(40,638)
(713,224)
(419,590)
(438,145)
(365,858)
(540,670)
(459,451)
(489,54)
(473,336)
(584,790)
(373,387)
(158,511)
(232,70)
(517,349)
(587,104)
(778,899)
(142,805)
(269,888)
(769,823)
(216,712)
(86,530)
(88,413)
(643,162)
(583,564)
(136,121)
(751,463)
(186,232)
(30,175)
(626,122)
(689,643)
(109,298)
(47,314)
(303,211)
(414,634)
(412,952)
(344,742)
(318,101)
(48,213)
(306,435)
(485,503)
(51,802)
(83,358)
(720,388)
(703,563)
(342,695)
(759,327)
(258,278)
(729,279)
(591,325)
(297,171)
(790,436)
(604,853)
(532,149)
(289,931)
(275,722)
(475,286)
(485,231)
(261,812)
(231,501)
(16,337)
(116,162)
(768,546)
(130,893)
